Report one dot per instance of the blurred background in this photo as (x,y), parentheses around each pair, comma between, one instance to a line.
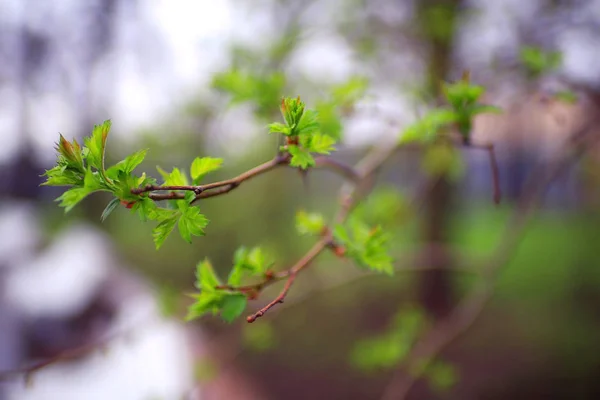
(204,78)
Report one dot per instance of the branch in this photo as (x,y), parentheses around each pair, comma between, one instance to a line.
(360,175)
(465,314)
(222,187)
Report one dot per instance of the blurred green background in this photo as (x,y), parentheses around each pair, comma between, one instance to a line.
(188,79)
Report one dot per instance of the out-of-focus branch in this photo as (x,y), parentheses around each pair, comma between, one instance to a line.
(466,312)
(362,175)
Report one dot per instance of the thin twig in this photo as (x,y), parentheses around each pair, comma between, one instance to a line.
(361,175)
(466,312)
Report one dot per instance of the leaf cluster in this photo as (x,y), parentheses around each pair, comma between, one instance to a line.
(368,246)
(213,298)
(302,129)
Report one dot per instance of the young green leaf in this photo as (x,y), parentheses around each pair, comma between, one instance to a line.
(96,145)
(321,144)
(308,123)
(233,306)
(300,157)
(175,178)
(309,224)
(71,154)
(163,230)
(202,166)
(133,160)
(72,197)
(191,222)
(110,207)
(206,278)
(368,247)
(277,127)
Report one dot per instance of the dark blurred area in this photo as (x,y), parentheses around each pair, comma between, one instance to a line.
(161,71)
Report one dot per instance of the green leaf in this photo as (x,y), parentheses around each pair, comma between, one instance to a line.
(484,108)
(233,306)
(368,247)
(206,302)
(202,166)
(277,127)
(537,61)
(71,197)
(309,224)
(206,278)
(441,375)
(133,160)
(61,176)
(351,91)
(163,230)
(110,207)
(253,262)
(329,120)
(443,160)
(321,144)
(300,157)
(96,145)
(191,223)
(175,178)
(308,123)
(566,96)
(427,129)
(92,181)
(71,154)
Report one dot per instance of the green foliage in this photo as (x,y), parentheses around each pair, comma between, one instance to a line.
(462,97)
(309,224)
(84,170)
(260,89)
(367,246)
(390,348)
(202,166)
(213,300)
(302,130)
(566,96)
(253,262)
(385,206)
(441,375)
(538,62)
(442,159)
(228,302)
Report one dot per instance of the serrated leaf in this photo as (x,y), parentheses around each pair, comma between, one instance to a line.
(233,306)
(175,178)
(277,127)
(92,181)
(61,176)
(321,144)
(133,160)
(192,223)
(309,224)
(96,145)
(300,157)
(71,197)
(202,166)
(206,302)
(110,207)
(71,154)
(163,230)
(206,278)
(308,124)
(368,247)
(253,262)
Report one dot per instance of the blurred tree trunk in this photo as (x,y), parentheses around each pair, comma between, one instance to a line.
(436,19)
